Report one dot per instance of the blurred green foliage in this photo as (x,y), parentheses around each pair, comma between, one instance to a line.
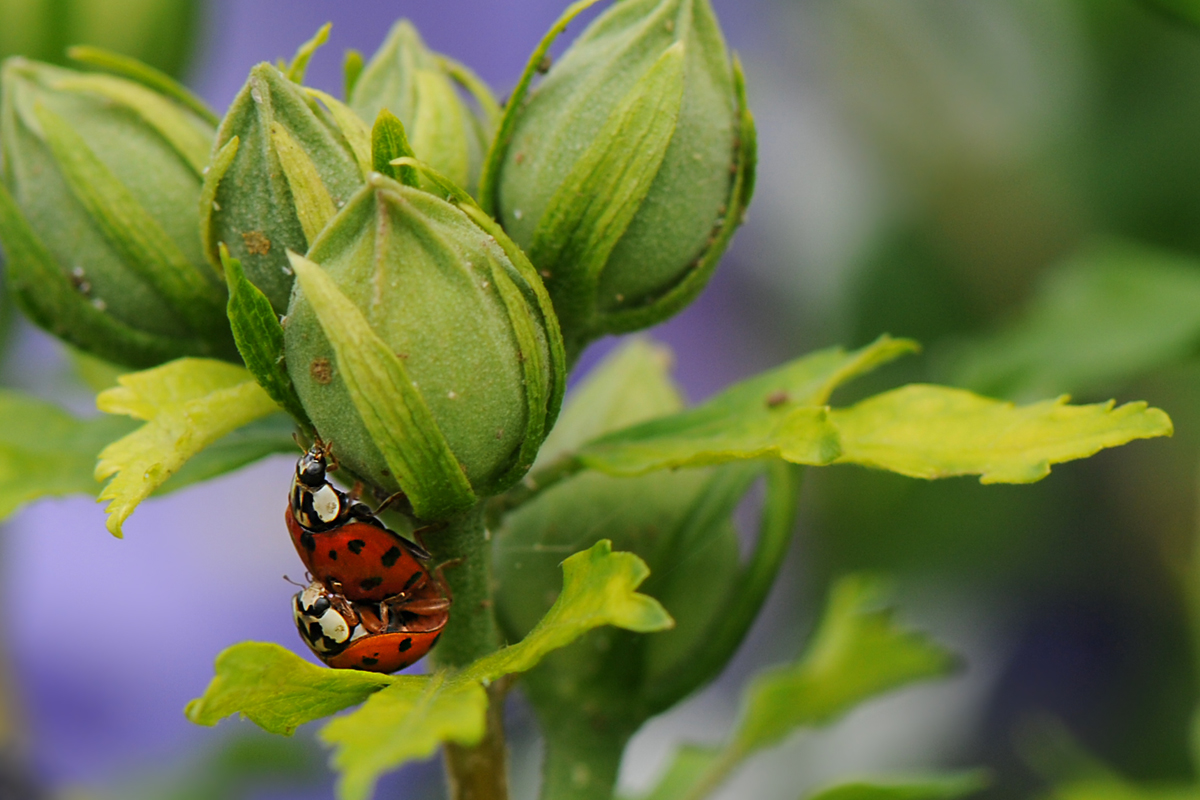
(159,32)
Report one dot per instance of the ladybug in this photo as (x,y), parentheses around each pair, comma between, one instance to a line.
(377,637)
(343,543)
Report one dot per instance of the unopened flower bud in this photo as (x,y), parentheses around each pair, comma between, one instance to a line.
(418,86)
(629,167)
(98,215)
(281,168)
(419,347)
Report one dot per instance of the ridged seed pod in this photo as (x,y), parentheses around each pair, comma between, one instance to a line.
(433,328)
(282,166)
(418,86)
(98,215)
(629,167)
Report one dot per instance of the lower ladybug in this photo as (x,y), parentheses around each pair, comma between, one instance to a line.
(377,637)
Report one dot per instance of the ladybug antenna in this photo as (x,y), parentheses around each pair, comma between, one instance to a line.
(299,442)
(293,583)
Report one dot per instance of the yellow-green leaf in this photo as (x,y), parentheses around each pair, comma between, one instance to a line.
(598,589)
(278,690)
(391,408)
(936,432)
(187,404)
(779,413)
(406,721)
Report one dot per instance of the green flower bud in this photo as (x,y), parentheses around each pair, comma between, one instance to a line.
(423,347)
(98,215)
(629,167)
(281,168)
(418,86)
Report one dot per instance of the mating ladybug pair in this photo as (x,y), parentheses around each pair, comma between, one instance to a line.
(371,602)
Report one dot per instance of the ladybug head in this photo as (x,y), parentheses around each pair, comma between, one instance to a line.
(311,468)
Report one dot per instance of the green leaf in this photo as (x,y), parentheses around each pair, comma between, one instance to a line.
(388,143)
(50,453)
(1103,316)
(597,201)
(404,722)
(407,720)
(779,413)
(144,74)
(1114,788)
(927,787)
(259,337)
(936,432)
(392,410)
(690,764)
(299,65)
(187,404)
(858,652)
(311,199)
(277,690)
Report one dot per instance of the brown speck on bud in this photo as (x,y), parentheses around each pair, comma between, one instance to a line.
(256,243)
(545,274)
(321,370)
(544,65)
(777,398)
(499,434)
(519,158)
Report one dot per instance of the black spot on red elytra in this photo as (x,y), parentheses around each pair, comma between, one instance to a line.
(416,576)
(390,558)
(370,662)
(356,545)
(435,640)
(370,583)
(333,555)
(307,540)
(404,645)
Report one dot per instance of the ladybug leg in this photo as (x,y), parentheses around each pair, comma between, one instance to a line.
(346,609)
(372,621)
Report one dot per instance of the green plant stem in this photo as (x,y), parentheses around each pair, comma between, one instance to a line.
(464,552)
(581,761)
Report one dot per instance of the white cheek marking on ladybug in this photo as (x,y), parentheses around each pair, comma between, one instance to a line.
(311,594)
(335,627)
(326,503)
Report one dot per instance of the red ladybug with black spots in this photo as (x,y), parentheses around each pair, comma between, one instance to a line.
(377,637)
(342,542)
